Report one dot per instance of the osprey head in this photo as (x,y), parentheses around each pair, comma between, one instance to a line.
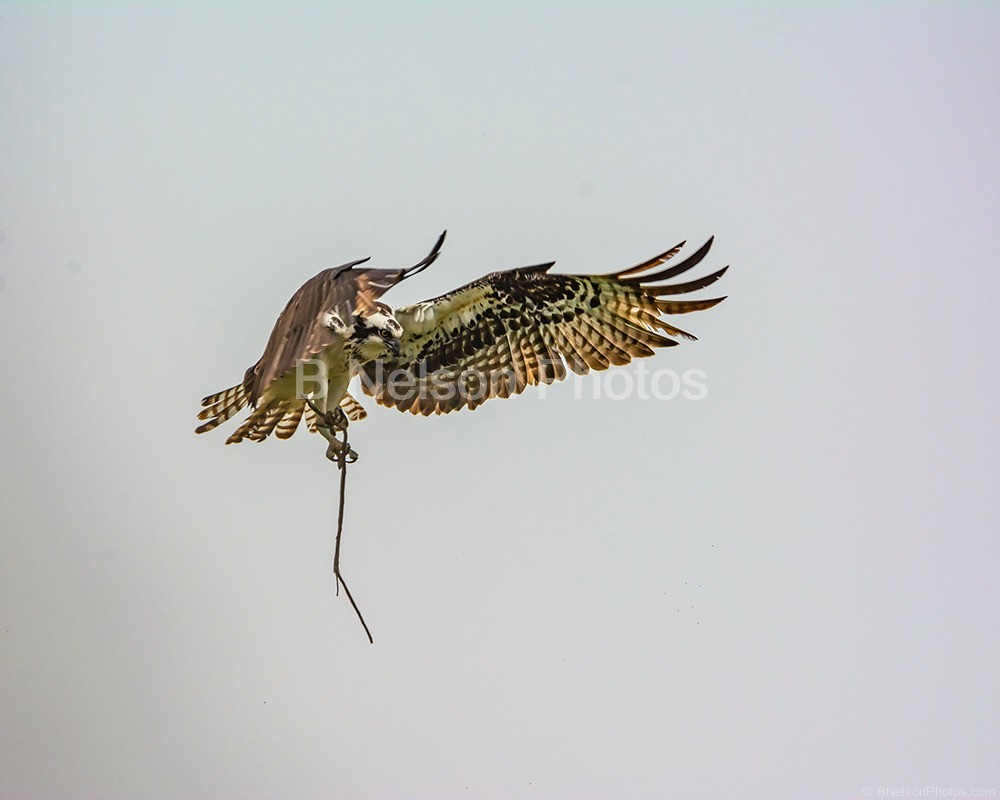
(376,333)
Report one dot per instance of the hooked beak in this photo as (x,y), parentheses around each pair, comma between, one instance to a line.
(393,345)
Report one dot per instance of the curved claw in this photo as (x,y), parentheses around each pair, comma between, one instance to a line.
(336,449)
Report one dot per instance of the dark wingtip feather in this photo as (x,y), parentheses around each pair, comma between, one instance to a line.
(686,306)
(691,261)
(660,290)
(429,259)
(655,261)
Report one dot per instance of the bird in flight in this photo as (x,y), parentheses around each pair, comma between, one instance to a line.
(490,338)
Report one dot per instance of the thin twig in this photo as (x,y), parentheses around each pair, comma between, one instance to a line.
(342,462)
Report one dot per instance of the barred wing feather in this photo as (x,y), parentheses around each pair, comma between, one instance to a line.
(521,327)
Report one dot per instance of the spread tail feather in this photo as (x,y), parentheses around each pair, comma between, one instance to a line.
(259,424)
(352,408)
(219,407)
(282,417)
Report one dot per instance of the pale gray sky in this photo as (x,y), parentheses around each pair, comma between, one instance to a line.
(787,589)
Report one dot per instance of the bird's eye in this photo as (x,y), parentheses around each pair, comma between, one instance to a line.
(386,334)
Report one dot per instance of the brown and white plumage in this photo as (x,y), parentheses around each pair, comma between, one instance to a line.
(490,338)
(521,327)
(315,324)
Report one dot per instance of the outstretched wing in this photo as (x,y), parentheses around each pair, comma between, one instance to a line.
(301,331)
(518,328)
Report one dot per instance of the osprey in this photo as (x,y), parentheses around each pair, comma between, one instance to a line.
(490,338)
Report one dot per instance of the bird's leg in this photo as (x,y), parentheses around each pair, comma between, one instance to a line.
(340,452)
(329,424)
